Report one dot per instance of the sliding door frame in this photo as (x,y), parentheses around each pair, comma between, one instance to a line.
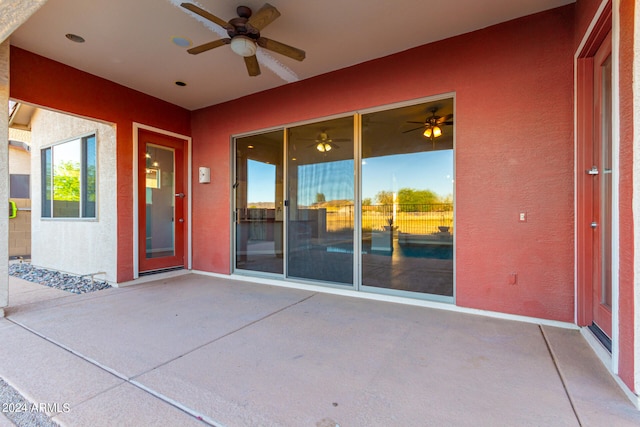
(357,226)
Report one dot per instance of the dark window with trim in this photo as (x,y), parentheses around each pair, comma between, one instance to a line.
(19,187)
(69,179)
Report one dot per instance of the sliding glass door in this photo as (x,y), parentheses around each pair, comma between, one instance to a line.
(320,190)
(407,199)
(259,210)
(369,207)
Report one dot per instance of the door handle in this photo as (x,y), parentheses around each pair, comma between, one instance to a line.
(181,195)
(181,220)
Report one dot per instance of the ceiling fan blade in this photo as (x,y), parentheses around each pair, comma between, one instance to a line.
(334,145)
(208,46)
(263,17)
(281,48)
(448,123)
(252,65)
(207,15)
(411,130)
(445,118)
(422,123)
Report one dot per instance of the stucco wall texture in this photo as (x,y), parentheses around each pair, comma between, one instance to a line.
(514,153)
(80,246)
(4,180)
(19,161)
(629,292)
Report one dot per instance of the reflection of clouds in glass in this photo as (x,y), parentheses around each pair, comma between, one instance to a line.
(333,179)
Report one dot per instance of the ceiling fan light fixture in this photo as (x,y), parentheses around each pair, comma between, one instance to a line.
(243,46)
(432,131)
(323,147)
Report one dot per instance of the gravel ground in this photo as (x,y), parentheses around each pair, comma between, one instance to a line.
(56,279)
(20,411)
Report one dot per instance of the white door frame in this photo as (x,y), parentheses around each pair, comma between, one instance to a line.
(136,225)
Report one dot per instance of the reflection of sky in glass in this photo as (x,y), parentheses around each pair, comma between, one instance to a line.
(68,152)
(432,170)
(261,178)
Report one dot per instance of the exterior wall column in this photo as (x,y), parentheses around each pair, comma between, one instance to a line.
(13,13)
(4,178)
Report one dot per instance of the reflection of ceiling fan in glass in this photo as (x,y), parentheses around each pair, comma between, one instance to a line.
(432,126)
(324,143)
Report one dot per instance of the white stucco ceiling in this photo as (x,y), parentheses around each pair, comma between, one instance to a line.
(129,41)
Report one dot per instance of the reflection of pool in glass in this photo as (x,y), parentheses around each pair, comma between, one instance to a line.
(433,250)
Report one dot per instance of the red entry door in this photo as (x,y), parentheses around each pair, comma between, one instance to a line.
(602,187)
(161,201)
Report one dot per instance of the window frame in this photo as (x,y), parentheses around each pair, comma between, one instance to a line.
(47,194)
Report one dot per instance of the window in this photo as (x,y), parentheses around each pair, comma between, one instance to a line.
(19,186)
(69,179)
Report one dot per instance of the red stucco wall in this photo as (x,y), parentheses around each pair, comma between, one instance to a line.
(514,153)
(627,279)
(47,83)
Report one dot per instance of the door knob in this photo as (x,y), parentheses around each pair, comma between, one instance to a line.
(181,195)
(181,220)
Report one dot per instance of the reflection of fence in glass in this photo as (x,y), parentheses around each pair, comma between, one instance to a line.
(405,218)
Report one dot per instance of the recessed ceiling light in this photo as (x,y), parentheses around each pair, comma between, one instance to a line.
(179,83)
(181,41)
(74,38)
(249,147)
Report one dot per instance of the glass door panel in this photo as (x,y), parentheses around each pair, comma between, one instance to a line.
(320,222)
(259,202)
(160,201)
(407,199)
(603,188)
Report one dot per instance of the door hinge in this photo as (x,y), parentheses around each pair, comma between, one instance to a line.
(593,171)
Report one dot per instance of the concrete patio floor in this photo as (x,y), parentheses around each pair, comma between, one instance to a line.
(198,350)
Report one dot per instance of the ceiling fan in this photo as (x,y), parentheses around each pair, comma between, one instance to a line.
(324,143)
(433,125)
(244,35)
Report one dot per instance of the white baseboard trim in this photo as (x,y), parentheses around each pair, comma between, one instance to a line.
(389,298)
